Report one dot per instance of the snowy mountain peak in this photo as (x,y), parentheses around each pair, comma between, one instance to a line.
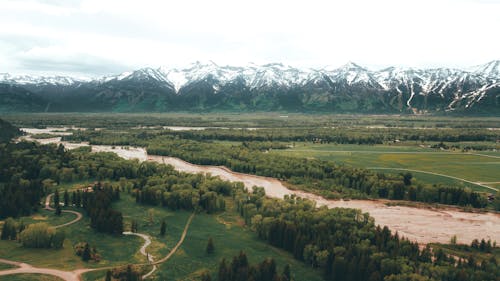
(490,69)
(396,89)
(56,80)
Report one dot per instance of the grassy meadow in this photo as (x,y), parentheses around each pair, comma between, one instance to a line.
(474,167)
(227,229)
(29,277)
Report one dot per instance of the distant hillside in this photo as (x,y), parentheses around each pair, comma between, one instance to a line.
(272,87)
(8,131)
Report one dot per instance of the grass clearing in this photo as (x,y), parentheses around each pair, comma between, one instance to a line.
(229,236)
(472,167)
(29,277)
(6,266)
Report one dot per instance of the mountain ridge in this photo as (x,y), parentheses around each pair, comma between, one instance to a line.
(350,88)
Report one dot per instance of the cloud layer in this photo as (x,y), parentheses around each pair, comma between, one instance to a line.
(92,37)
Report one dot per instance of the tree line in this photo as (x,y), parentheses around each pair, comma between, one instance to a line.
(239,269)
(338,135)
(38,235)
(346,245)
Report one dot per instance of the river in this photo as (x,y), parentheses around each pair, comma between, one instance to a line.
(424,225)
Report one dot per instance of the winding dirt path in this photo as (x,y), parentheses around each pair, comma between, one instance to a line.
(75,275)
(179,243)
(47,207)
(147,242)
(29,269)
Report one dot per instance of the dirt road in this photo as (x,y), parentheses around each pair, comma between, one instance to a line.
(147,242)
(26,268)
(47,207)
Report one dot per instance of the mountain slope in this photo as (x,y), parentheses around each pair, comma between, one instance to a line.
(210,87)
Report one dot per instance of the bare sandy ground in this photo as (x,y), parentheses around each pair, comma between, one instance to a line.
(418,224)
(61,131)
(26,268)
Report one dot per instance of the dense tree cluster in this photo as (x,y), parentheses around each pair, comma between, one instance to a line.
(323,177)
(176,191)
(87,253)
(98,206)
(261,120)
(10,229)
(7,131)
(40,235)
(346,244)
(239,269)
(125,273)
(340,135)
(27,171)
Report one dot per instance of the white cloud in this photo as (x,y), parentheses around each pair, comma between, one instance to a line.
(131,34)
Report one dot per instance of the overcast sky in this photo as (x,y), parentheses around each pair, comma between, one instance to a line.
(99,37)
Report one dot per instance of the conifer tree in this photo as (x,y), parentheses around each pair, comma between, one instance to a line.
(163,228)
(86,252)
(286,273)
(210,246)
(66,198)
(224,274)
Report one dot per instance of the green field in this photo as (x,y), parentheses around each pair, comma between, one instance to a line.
(29,277)
(229,238)
(468,166)
(227,229)
(5,266)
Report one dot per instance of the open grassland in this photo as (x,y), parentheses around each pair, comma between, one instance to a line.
(473,167)
(6,266)
(109,247)
(29,277)
(230,236)
(227,229)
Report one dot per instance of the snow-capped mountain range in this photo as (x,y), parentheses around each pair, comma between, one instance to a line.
(325,89)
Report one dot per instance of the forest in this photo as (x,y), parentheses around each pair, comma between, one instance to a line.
(323,177)
(344,244)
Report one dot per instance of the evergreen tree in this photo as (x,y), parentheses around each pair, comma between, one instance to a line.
(210,246)
(86,253)
(73,198)
(56,199)
(134,227)
(9,230)
(163,228)
(286,273)
(58,210)
(224,273)
(108,275)
(66,198)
